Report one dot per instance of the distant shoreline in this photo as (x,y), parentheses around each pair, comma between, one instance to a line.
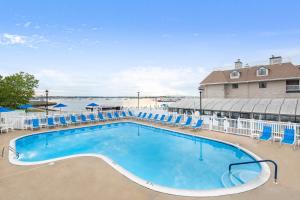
(107,97)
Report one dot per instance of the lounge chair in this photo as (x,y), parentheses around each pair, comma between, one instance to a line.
(155,117)
(187,122)
(177,121)
(74,120)
(3,128)
(142,116)
(288,136)
(149,116)
(100,117)
(169,120)
(109,115)
(116,114)
(84,119)
(50,122)
(62,121)
(266,133)
(123,114)
(35,124)
(198,125)
(130,113)
(139,115)
(162,118)
(92,117)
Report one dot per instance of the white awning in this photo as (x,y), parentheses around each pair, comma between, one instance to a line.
(239,105)
(275,106)
(261,106)
(249,106)
(289,107)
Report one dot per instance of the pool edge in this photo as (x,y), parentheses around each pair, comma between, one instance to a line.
(260,180)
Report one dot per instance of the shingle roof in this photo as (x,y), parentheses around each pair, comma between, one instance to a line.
(248,74)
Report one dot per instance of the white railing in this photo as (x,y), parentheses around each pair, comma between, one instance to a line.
(243,127)
(293,88)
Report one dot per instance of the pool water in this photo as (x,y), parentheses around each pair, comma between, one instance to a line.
(162,157)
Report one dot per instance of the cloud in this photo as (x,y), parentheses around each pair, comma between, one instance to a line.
(28,41)
(11,39)
(27,24)
(147,80)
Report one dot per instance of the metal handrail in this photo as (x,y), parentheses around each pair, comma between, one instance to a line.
(259,161)
(14,151)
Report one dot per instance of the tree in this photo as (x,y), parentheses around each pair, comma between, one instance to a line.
(17,89)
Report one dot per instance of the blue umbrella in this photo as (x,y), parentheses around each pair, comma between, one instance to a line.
(25,106)
(2,109)
(60,105)
(92,105)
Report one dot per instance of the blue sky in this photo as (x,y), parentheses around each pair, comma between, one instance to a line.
(158,47)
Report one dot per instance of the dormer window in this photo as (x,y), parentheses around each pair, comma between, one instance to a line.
(262,71)
(235,74)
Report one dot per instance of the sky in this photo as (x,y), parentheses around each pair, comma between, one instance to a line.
(157,47)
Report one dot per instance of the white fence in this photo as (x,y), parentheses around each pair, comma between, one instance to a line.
(244,127)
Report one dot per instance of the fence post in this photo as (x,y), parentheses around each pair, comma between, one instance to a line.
(226,125)
(211,123)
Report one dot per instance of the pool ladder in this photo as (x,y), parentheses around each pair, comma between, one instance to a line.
(14,151)
(258,161)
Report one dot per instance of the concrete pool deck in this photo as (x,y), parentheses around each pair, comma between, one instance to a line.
(92,178)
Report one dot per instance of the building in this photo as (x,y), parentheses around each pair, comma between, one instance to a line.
(266,92)
(276,80)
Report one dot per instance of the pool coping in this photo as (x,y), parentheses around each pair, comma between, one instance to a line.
(260,180)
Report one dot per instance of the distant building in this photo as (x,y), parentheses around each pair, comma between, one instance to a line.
(266,92)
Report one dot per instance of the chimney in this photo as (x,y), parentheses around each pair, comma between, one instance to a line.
(275,60)
(238,64)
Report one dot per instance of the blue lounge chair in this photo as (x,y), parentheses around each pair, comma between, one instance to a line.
(139,115)
(123,114)
(177,121)
(143,116)
(109,115)
(169,120)
(149,116)
(288,136)
(162,118)
(155,117)
(84,119)
(92,117)
(62,121)
(35,124)
(74,120)
(266,134)
(100,117)
(130,113)
(116,114)
(198,124)
(187,122)
(50,122)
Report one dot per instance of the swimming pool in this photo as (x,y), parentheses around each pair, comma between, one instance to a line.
(159,159)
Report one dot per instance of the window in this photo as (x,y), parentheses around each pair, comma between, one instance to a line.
(234,74)
(235,86)
(262,84)
(262,71)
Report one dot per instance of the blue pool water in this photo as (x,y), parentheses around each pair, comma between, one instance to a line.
(162,157)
